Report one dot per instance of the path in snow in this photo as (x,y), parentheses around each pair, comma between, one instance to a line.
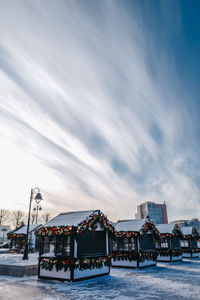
(179,280)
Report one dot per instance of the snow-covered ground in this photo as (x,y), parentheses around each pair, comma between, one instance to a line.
(16,259)
(175,281)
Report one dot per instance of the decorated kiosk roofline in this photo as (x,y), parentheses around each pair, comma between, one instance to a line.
(169,230)
(15,235)
(142,227)
(21,232)
(189,232)
(91,221)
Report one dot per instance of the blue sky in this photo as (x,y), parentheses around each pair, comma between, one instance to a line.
(99,105)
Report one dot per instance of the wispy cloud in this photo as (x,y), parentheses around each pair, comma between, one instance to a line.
(79,94)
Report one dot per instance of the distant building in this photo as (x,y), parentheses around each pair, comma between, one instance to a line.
(3,232)
(156,212)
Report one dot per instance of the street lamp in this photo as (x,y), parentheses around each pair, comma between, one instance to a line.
(38,198)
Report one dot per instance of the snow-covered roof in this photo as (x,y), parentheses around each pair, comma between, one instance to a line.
(165,228)
(73,218)
(187,230)
(23,230)
(130,225)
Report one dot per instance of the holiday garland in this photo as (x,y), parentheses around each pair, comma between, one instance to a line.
(166,235)
(134,256)
(175,232)
(149,226)
(54,230)
(191,251)
(165,252)
(193,234)
(15,235)
(91,222)
(71,264)
(126,234)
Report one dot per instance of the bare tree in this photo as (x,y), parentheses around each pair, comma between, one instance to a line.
(45,217)
(17,217)
(4,214)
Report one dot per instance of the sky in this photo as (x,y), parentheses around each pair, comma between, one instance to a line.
(99,105)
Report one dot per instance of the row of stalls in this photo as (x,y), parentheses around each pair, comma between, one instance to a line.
(84,244)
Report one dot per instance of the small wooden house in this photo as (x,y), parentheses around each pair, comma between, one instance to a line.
(134,245)
(74,246)
(168,246)
(18,239)
(189,242)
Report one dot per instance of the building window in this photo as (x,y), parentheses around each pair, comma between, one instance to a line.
(164,243)
(184,244)
(59,246)
(49,245)
(126,244)
(46,245)
(114,246)
(66,246)
(52,245)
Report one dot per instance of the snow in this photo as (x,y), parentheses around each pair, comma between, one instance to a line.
(16,259)
(23,230)
(69,218)
(167,281)
(187,230)
(166,228)
(130,225)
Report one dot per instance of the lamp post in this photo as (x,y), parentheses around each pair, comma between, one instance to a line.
(38,198)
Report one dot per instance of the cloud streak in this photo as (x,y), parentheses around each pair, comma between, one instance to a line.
(78,94)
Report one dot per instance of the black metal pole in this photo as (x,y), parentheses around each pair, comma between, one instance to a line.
(25,256)
(37,214)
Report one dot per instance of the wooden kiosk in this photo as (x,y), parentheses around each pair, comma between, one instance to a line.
(168,247)
(74,246)
(189,242)
(134,244)
(18,239)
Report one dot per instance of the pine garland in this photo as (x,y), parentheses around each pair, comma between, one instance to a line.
(190,251)
(149,226)
(91,222)
(71,264)
(15,235)
(164,252)
(97,217)
(126,234)
(54,231)
(134,256)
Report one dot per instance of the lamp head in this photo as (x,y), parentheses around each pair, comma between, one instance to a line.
(38,198)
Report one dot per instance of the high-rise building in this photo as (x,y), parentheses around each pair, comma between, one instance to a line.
(156,212)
